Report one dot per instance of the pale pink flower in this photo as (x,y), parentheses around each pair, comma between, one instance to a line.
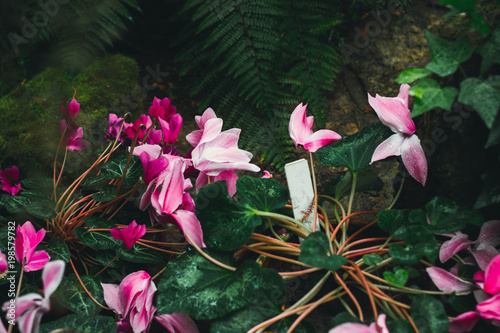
(394,113)
(130,234)
(445,281)
(30,308)
(300,129)
(25,244)
(360,328)
(464,322)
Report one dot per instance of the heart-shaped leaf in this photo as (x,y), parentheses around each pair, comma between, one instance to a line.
(447,55)
(195,286)
(429,315)
(261,194)
(372,259)
(107,193)
(489,51)
(226,223)
(430,95)
(397,279)
(100,240)
(445,216)
(77,323)
(115,168)
(315,249)
(141,254)
(410,75)
(354,151)
(73,296)
(58,250)
(483,96)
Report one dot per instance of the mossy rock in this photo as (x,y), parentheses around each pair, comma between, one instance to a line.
(29,115)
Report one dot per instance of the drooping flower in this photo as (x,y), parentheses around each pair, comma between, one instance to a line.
(116,129)
(25,244)
(10,180)
(171,128)
(394,113)
(360,328)
(130,234)
(31,307)
(133,301)
(162,109)
(71,111)
(301,132)
(72,136)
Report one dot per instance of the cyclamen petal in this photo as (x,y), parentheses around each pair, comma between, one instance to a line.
(458,242)
(448,282)
(38,261)
(489,235)
(177,323)
(352,328)
(190,226)
(492,277)
(414,159)
(485,256)
(490,309)
(380,324)
(464,322)
(319,139)
(130,234)
(390,147)
(10,180)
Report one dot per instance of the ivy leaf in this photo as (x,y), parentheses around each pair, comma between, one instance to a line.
(107,193)
(266,304)
(354,151)
(58,250)
(76,323)
(116,167)
(100,240)
(72,296)
(489,51)
(261,194)
(141,254)
(482,96)
(447,55)
(410,75)
(205,291)
(430,95)
(397,279)
(429,315)
(315,249)
(445,216)
(226,223)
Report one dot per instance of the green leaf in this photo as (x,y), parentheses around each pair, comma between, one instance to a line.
(43,184)
(411,254)
(284,324)
(397,279)
(141,254)
(445,216)
(15,203)
(95,180)
(477,23)
(460,5)
(104,258)
(392,220)
(107,193)
(354,151)
(315,249)
(490,193)
(116,167)
(482,95)
(58,250)
(72,296)
(201,289)
(447,55)
(261,194)
(489,51)
(430,95)
(77,323)
(342,318)
(494,137)
(100,240)
(372,259)
(410,75)
(266,304)
(226,223)
(41,208)
(429,315)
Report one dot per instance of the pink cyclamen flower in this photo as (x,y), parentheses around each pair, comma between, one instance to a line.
(72,136)
(394,113)
(129,235)
(464,322)
(133,301)
(300,129)
(171,128)
(139,128)
(25,244)
(445,281)
(162,109)
(360,328)
(116,129)
(30,308)
(71,111)
(3,263)
(10,180)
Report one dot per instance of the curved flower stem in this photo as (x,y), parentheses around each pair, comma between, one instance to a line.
(272,229)
(282,217)
(208,257)
(109,263)
(341,223)
(290,275)
(349,207)
(159,273)
(348,291)
(85,288)
(327,229)
(336,202)
(157,249)
(367,288)
(397,195)
(295,262)
(327,298)
(313,174)
(61,171)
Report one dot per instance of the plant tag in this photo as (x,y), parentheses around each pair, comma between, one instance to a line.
(301,190)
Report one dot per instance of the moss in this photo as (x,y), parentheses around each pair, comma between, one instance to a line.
(29,115)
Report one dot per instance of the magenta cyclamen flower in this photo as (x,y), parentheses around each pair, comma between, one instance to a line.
(3,263)
(72,136)
(116,129)
(133,301)
(129,235)
(139,128)
(162,109)
(71,111)
(394,113)
(25,244)
(31,307)
(300,129)
(10,180)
